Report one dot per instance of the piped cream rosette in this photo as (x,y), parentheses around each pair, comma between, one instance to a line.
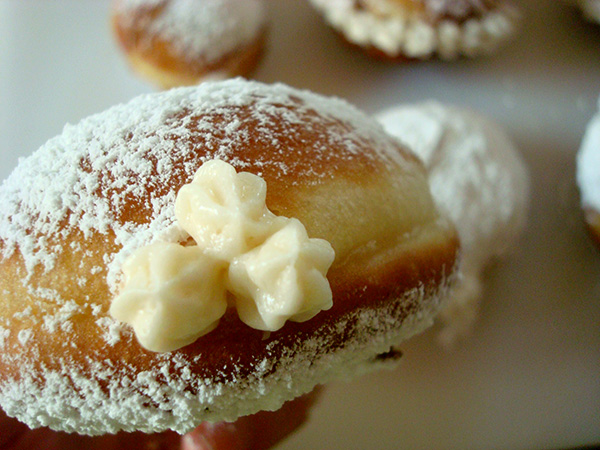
(422,28)
(172,294)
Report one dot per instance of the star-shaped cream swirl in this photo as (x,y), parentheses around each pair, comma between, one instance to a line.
(224,211)
(282,279)
(172,294)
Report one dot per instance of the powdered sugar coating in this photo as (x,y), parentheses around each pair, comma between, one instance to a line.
(478,179)
(588,165)
(78,184)
(206,29)
(116,399)
(55,183)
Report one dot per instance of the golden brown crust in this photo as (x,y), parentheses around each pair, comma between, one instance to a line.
(394,256)
(167,73)
(233,349)
(162,59)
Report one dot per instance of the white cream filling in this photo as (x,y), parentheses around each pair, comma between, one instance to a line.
(171,294)
(282,279)
(415,37)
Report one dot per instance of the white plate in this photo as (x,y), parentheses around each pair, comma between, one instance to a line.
(528,378)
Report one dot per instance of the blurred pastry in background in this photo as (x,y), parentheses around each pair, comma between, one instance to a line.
(590,8)
(588,176)
(421,29)
(184,42)
(478,180)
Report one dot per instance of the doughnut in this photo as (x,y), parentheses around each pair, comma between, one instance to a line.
(77,213)
(477,179)
(588,177)
(183,42)
(420,29)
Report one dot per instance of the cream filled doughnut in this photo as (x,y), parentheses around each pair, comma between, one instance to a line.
(103,213)
(183,42)
(420,29)
(588,176)
(479,180)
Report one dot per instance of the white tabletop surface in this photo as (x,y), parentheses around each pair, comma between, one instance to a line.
(529,376)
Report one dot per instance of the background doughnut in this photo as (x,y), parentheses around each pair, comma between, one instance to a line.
(479,180)
(421,29)
(588,177)
(183,42)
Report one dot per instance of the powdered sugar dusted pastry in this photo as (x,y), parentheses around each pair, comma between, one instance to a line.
(308,231)
(478,179)
(588,176)
(183,42)
(422,28)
